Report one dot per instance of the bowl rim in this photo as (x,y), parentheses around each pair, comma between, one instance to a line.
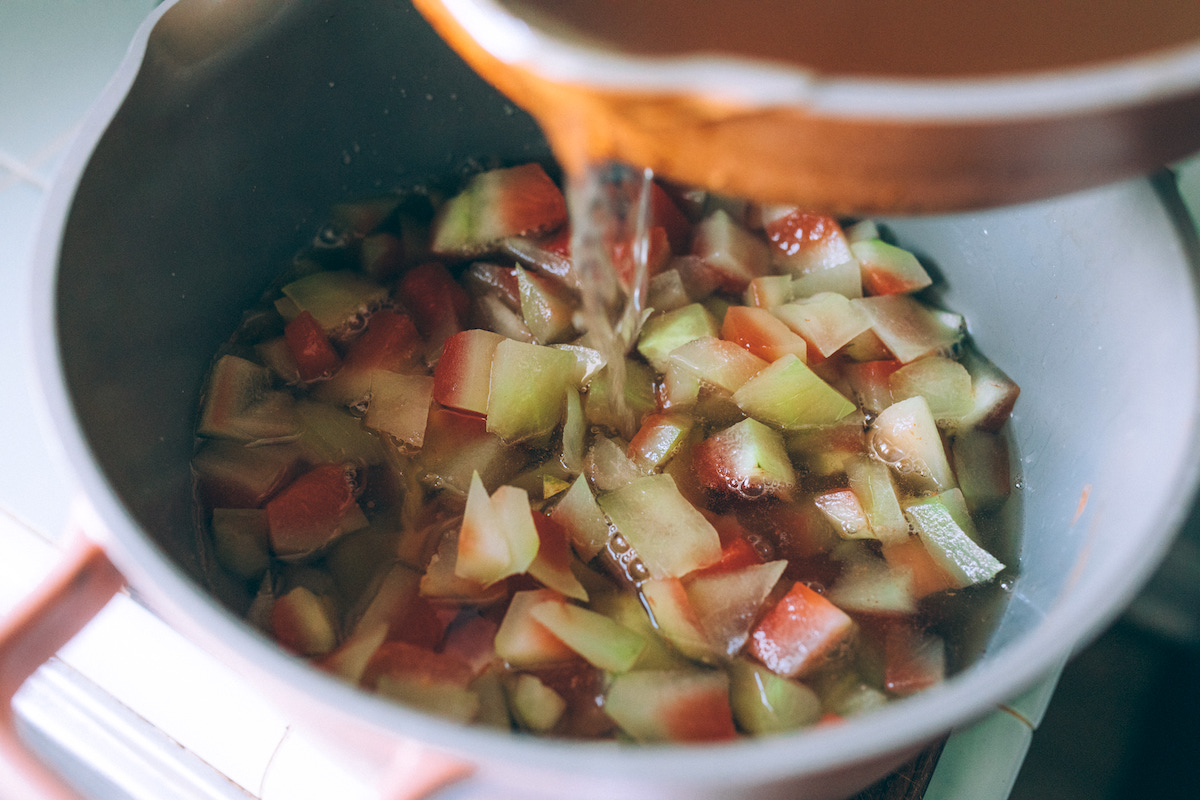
(185,604)
(1095,88)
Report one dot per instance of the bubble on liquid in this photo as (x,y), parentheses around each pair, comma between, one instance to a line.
(358,322)
(841,651)
(895,457)
(637,570)
(329,237)
(750,490)
(763,548)
(884,450)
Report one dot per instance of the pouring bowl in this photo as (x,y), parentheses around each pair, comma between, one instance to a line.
(879,142)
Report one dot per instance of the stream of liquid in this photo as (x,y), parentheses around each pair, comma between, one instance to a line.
(609,204)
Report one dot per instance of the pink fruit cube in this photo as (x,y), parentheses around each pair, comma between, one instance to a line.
(762,333)
(800,633)
(464,372)
(804,242)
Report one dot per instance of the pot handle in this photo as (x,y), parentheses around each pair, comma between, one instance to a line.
(77,588)
(75,591)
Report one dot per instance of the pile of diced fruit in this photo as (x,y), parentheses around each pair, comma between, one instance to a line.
(412,460)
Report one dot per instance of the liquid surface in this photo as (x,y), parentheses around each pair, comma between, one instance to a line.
(410,462)
(899,38)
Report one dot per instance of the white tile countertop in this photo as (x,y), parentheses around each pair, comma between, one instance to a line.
(172,722)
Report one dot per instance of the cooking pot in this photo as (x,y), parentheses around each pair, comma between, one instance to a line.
(212,157)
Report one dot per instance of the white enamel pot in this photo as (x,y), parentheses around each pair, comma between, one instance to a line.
(212,157)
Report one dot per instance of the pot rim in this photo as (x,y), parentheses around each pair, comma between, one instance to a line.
(921,718)
(1128,82)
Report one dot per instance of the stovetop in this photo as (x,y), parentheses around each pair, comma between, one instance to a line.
(130,709)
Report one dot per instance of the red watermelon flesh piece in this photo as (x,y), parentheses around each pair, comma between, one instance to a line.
(437,302)
(800,633)
(805,242)
(672,706)
(495,205)
(313,510)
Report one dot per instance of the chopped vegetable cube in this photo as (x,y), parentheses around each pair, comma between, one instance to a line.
(663,333)
(669,706)
(789,395)
(463,375)
(498,537)
(669,534)
(949,544)
(338,299)
(746,460)
(311,350)
(887,269)
(522,640)
(495,205)
(734,253)
(765,703)
(527,390)
(313,510)
(805,242)
(800,633)
(599,640)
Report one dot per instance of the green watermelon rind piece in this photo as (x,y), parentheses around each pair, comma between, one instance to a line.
(949,543)
(335,298)
(534,704)
(663,333)
(495,205)
(645,703)
(787,394)
(602,642)
(670,535)
(527,392)
(765,703)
